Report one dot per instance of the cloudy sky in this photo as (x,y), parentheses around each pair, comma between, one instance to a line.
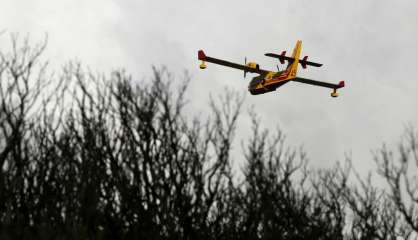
(371,44)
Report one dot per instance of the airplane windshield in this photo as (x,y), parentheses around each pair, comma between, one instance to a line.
(255,81)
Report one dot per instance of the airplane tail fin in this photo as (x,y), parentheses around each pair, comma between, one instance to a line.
(293,66)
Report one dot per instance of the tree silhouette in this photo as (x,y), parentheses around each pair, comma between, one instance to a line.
(91,156)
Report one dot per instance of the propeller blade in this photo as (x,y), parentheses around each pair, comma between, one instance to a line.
(245,63)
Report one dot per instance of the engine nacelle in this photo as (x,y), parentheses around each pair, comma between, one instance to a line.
(253,65)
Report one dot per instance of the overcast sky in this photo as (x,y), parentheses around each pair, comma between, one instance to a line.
(371,44)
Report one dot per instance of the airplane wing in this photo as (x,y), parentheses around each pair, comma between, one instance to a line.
(304,62)
(318,83)
(203,57)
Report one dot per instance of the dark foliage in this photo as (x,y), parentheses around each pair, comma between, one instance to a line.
(86,156)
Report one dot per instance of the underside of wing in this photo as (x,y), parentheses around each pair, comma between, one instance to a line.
(319,83)
(203,57)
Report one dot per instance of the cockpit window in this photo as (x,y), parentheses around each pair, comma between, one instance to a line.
(255,81)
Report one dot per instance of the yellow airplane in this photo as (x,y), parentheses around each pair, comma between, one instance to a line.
(268,81)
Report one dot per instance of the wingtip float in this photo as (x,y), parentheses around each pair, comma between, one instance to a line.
(268,81)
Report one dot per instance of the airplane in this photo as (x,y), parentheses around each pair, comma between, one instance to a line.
(268,81)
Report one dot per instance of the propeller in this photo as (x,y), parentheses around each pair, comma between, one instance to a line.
(245,63)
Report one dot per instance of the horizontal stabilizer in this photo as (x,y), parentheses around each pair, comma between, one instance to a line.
(304,62)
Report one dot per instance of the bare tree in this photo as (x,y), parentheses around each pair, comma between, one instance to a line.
(399,171)
(93,156)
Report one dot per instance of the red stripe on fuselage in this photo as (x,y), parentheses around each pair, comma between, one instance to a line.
(282,77)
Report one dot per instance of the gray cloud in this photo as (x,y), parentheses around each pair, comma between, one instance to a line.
(369,44)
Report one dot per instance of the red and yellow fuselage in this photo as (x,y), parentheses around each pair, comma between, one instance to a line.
(268,83)
(272,80)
